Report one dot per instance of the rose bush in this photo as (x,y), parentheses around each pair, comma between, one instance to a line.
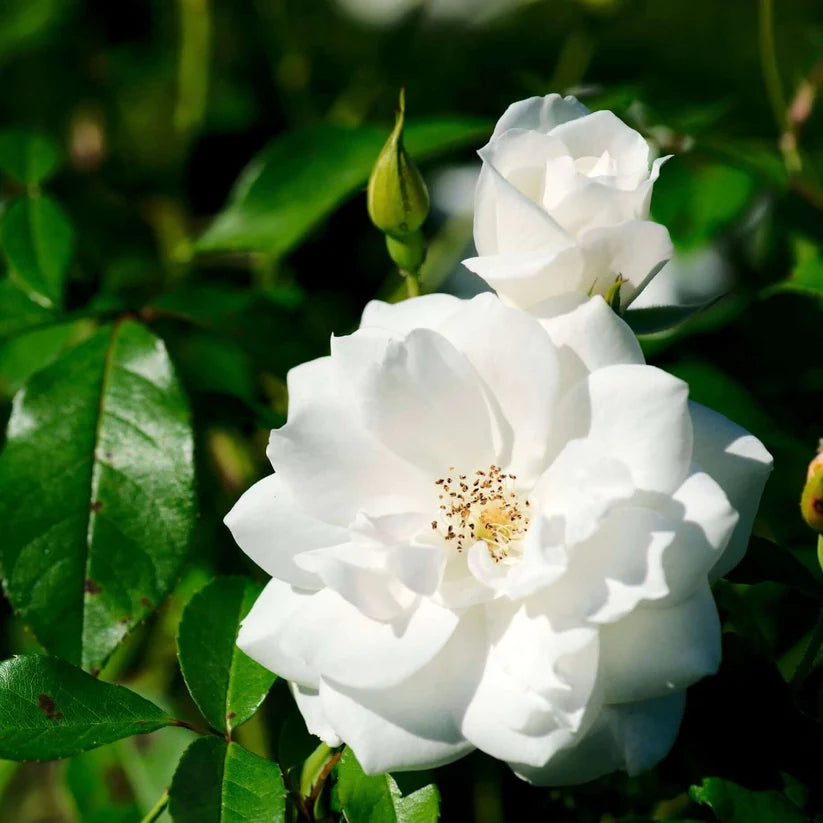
(562,204)
(488,531)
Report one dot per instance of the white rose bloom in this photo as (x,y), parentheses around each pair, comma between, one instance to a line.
(562,204)
(488,531)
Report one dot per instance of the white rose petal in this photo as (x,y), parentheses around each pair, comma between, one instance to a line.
(416,724)
(492,531)
(739,462)
(653,652)
(562,205)
(630,736)
(308,701)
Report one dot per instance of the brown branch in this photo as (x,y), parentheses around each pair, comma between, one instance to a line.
(308,804)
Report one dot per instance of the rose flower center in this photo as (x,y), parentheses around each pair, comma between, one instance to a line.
(482,507)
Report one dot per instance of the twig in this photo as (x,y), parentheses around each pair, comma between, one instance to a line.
(798,112)
(322,777)
(158,809)
(184,724)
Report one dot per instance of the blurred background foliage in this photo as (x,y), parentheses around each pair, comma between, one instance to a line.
(152,111)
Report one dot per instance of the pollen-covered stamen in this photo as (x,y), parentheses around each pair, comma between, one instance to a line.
(481,507)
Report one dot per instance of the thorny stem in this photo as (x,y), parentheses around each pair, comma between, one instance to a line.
(158,809)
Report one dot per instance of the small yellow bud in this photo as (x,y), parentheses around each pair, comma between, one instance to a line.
(397,198)
(811,501)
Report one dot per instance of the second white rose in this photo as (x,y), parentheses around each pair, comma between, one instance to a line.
(562,204)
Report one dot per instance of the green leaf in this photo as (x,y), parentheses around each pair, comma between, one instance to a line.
(49,709)
(18,313)
(227,685)
(38,242)
(698,200)
(96,498)
(219,782)
(302,176)
(378,799)
(100,788)
(806,278)
(28,157)
(734,804)
(651,319)
(28,352)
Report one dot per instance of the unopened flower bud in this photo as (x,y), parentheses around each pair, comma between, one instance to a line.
(397,198)
(811,501)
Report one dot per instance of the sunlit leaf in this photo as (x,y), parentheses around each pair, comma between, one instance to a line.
(227,685)
(96,499)
(305,174)
(378,799)
(219,782)
(50,709)
(734,804)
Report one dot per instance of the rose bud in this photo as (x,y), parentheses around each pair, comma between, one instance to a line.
(397,197)
(811,501)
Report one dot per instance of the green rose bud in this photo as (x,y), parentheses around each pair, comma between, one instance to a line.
(397,198)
